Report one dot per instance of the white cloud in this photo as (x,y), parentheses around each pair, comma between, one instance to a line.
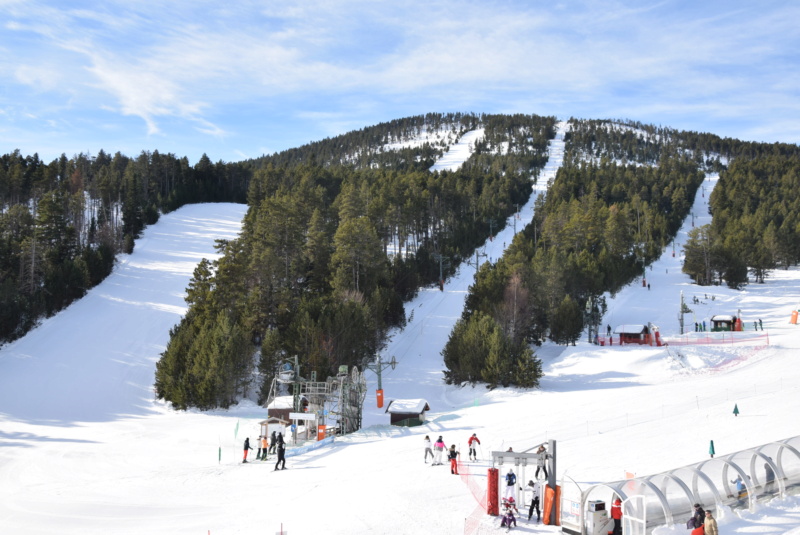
(210,66)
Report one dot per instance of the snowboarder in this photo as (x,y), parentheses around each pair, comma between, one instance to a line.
(258,443)
(281,453)
(511,479)
(540,464)
(438,448)
(428,449)
(473,455)
(616,514)
(272,442)
(246,448)
(536,490)
(453,455)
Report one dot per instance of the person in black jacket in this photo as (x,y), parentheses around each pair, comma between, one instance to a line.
(699,516)
(453,455)
(281,453)
(272,442)
(246,448)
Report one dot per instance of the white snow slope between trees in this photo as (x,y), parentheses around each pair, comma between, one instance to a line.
(85,448)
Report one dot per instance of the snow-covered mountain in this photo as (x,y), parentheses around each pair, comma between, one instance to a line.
(85,448)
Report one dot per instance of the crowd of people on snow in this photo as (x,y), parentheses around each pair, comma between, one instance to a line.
(275,444)
(701,523)
(509,506)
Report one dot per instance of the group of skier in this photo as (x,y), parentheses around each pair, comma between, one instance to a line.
(436,449)
(509,519)
(276,443)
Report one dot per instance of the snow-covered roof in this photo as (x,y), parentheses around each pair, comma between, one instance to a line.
(282,402)
(630,329)
(407,406)
(723,317)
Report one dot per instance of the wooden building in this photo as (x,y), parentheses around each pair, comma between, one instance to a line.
(407,412)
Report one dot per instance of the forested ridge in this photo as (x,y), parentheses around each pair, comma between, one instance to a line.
(755,226)
(63,223)
(618,200)
(340,232)
(329,253)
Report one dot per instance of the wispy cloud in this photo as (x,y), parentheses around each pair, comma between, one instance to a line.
(210,68)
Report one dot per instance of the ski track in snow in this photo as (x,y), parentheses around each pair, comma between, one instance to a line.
(84,447)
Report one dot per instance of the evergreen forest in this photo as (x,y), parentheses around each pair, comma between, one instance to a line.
(341,232)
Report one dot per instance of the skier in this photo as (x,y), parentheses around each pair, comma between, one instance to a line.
(264,446)
(510,504)
(428,449)
(616,514)
(511,479)
(281,453)
(540,465)
(438,448)
(536,490)
(473,455)
(453,455)
(258,443)
(246,447)
(508,519)
(741,489)
(272,442)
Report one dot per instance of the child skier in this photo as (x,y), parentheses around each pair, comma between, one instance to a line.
(510,504)
(508,519)
(453,455)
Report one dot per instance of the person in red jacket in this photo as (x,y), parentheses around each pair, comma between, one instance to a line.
(473,455)
(616,514)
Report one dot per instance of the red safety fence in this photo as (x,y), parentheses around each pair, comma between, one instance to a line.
(717,338)
(476,482)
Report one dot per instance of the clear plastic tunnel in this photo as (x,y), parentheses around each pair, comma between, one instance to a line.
(736,480)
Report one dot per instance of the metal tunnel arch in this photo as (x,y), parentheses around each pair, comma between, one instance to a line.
(766,471)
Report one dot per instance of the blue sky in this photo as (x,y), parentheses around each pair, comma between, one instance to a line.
(240,79)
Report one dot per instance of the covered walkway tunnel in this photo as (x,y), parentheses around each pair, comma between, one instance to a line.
(736,480)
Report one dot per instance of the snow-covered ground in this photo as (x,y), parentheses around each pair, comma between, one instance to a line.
(85,448)
(458,152)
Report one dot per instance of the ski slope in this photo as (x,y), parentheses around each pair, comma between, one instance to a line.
(85,448)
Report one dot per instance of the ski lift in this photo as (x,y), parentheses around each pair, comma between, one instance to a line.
(286,375)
